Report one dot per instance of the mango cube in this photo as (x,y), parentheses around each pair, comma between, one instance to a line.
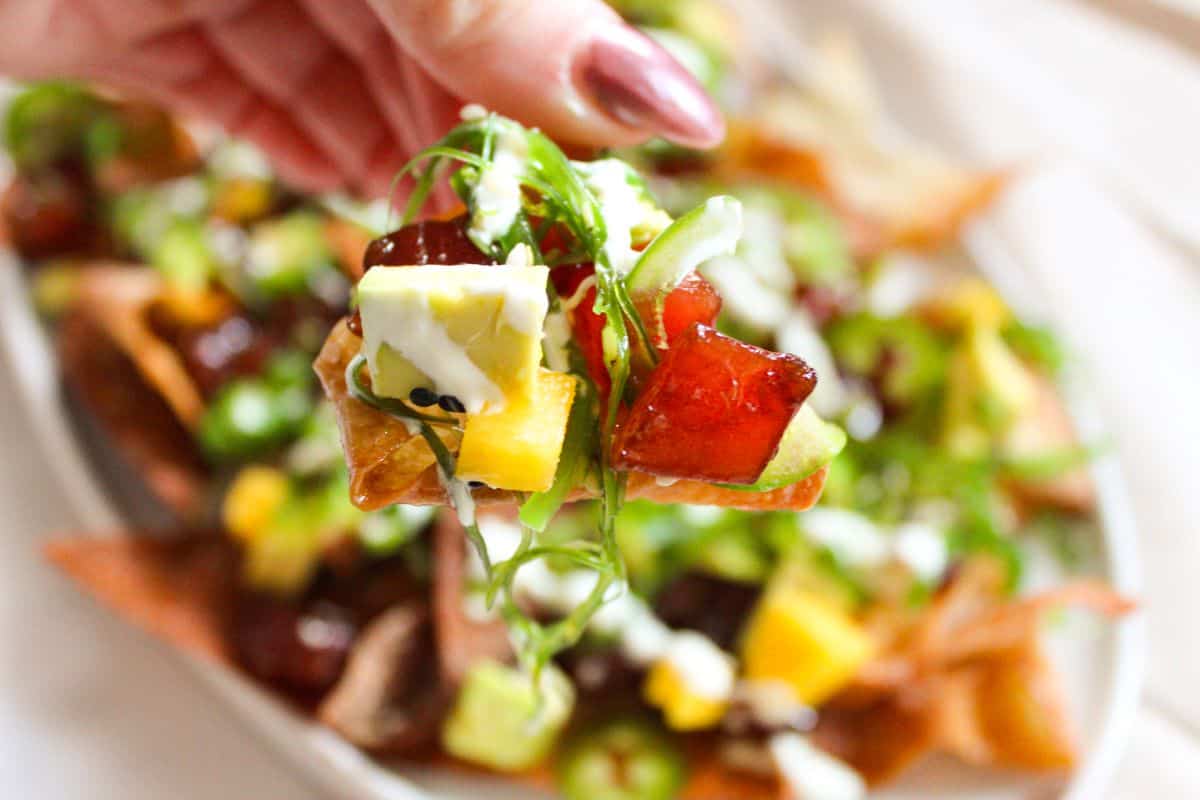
(799,638)
(252,501)
(682,708)
(472,332)
(518,448)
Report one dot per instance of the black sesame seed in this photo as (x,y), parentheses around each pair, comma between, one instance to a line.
(449,402)
(423,397)
(476,484)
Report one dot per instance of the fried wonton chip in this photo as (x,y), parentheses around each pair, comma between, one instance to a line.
(180,590)
(833,138)
(389,465)
(142,428)
(967,677)
(118,297)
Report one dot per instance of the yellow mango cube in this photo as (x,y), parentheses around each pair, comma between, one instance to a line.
(801,639)
(970,303)
(683,709)
(518,447)
(252,500)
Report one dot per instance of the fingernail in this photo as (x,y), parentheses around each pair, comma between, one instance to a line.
(632,79)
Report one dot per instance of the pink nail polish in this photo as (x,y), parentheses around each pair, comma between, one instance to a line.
(632,79)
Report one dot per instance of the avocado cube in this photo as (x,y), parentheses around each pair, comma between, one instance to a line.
(500,721)
(472,332)
(987,389)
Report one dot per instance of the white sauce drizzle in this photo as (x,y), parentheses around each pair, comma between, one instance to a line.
(556,341)
(798,335)
(406,324)
(460,497)
(864,417)
(774,704)
(472,112)
(621,208)
(745,296)
(922,548)
(497,195)
(580,292)
(811,773)
(707,670)
(856,541)
(852,538)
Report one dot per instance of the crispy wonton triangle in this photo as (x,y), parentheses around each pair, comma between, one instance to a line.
(967,677)
(138,421)
(180,590)
(118,297)
(389,465)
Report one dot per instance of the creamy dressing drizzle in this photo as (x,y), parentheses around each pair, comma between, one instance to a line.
(744,295)
(708,671)
(798,335)
(621,208)
(572,302)
(497,195)
(460,497)
(856,541)
(812,773)
(773,703)
(556,341)
(407,325)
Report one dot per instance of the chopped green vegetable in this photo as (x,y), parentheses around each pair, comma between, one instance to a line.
(907,358)
(249,417)
(183,256)
(808,444)
(384,532)
(705,232)
(49,122)
(1037,345)
(573,463)
(286,253)
(282,556)
(621,759)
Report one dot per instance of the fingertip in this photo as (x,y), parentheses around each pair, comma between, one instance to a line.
(633,80)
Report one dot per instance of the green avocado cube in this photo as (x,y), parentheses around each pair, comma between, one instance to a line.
(502,721)
(473,332)
(987,389)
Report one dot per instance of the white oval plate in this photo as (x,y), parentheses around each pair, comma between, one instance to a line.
(1101,663)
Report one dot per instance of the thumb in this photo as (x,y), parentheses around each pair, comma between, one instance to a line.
(570,67)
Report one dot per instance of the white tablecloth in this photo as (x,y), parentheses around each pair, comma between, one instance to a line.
(90,708)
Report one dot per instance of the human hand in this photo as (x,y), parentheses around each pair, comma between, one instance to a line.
(342,92)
